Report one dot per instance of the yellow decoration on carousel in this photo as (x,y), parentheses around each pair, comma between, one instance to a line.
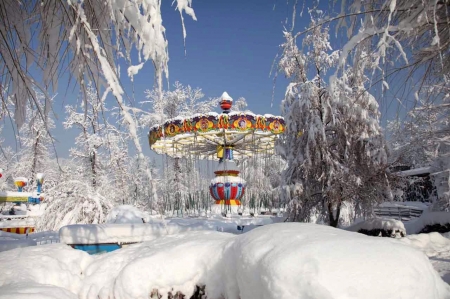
(172,130)
(204,125)
(276,127)
(242,124)
(220,150)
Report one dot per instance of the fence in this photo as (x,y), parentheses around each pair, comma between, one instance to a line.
(399,213)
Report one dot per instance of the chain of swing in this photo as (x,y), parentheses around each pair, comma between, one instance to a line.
(184,191)
(188,193)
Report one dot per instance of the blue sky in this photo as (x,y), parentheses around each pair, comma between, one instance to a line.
(231,47)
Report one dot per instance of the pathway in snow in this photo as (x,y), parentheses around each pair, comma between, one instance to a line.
(437,247)
(441,262)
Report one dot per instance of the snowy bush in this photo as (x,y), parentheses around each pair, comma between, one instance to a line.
(380,227)
(73,202)
(429,222)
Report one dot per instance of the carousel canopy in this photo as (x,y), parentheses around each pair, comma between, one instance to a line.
(203,135)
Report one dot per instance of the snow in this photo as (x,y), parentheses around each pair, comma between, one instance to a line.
(31,290)
(287,260)
(42,267)
(122,233)
(127,214)
(431,244)
(312,261)
(156,228)
(12,244)
(177,262)
(226,96)
(429,218)
(40,238)
(379,223)
(134,69)
(436,247)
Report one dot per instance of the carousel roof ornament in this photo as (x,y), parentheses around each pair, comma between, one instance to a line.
(203,135)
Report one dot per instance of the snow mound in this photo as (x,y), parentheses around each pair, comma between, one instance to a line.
(286,260)
(51,265)
(13,244)
(123,233)
(170,264)
(429,218)
(394,227)
(127,214)
(30,290)
(294,260)
(431,244)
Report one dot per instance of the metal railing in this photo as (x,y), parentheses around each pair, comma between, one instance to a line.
(399,213)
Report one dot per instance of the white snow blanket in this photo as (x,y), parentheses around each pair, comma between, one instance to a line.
(288,260)
(127,214)
(436,247)
(121,233)
(140,232)
(12,244)
(428,218)
(48,271)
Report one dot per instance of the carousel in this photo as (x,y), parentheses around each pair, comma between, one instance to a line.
(15,219)
(229,137)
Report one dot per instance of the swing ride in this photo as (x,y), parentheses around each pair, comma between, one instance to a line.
(229,136)
(20,224)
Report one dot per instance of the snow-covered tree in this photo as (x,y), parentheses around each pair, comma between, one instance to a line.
(73,202)
(91,137)
(263,176)
(333,143)
(36,153)
(88,38)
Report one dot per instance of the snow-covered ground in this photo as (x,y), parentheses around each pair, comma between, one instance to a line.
(285,260)
(437,247)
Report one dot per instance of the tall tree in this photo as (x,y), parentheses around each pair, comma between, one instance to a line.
(91,137)
(333,142)
(37,152)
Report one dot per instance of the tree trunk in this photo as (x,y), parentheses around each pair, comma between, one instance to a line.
(334,219)
(94,172)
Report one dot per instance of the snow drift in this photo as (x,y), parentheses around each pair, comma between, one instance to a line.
(286,260)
